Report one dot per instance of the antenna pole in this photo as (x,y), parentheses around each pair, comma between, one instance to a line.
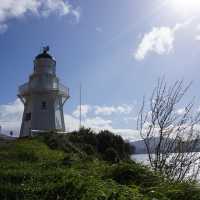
(80,106)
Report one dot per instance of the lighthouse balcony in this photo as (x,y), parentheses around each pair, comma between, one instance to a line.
(24,89)
(62,90)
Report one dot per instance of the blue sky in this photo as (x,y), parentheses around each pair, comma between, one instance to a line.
(116,49)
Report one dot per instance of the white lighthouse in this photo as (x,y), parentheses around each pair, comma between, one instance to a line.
(43,97)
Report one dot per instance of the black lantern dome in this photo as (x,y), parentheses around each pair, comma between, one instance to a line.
(44,54)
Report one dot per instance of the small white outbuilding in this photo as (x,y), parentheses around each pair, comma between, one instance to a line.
(43,97)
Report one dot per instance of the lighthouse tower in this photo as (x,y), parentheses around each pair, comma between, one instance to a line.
(43,97)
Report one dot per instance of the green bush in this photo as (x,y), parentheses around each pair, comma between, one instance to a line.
(107,139)
(55,167)
(24,155)
(86,141)
(182,191)
(131,173)
(60,142)
(111,155)
(83,136)
(88,149)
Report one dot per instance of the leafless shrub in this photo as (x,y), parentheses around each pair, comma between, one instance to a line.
(171,138)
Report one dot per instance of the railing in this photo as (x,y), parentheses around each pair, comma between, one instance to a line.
(63,90)
(24,88)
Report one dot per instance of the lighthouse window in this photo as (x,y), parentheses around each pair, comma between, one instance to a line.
(44,105)
(28,117)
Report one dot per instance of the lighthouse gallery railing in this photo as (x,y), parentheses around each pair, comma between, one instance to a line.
(25,89)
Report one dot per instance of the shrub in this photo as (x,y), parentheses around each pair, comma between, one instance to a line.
(24,155)
(67,161)
(85,140)
(84,136)
(182,191)
(55,174)
(132,173)
(111,155)
(88,149)
(61,142)
(107,139)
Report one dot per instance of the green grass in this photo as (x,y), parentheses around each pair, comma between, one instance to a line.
(30,170)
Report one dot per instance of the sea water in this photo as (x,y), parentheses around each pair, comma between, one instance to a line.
(144,159)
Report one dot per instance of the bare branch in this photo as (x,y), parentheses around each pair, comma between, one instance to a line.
(164,131)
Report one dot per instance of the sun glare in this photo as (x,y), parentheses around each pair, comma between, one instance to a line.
(185,7)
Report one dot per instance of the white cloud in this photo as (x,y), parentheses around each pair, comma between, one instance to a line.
(71,123)
(102,110)
(105,110)
(109,110)
(128,119)
(11,118)
(159,40)
(12,9)
(127,134)
(125,109)
(98,123)
(85,109)
(59,6)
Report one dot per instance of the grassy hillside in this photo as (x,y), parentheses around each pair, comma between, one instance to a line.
(79,167)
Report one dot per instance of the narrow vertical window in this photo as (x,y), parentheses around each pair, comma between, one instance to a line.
(28,117)
(44,105)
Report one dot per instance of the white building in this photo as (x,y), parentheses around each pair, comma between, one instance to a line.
(43,97)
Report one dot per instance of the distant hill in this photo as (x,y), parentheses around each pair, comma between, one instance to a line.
(140,148)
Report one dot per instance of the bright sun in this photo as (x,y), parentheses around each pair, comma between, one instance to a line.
(186,7)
